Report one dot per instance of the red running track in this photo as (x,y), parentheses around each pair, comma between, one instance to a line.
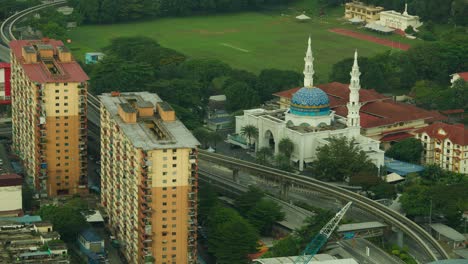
(377,40)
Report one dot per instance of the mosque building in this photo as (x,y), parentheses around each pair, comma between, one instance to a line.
(309,122)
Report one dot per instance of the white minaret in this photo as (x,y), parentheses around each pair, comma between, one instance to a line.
(406,9)
(353,119)
(309,67)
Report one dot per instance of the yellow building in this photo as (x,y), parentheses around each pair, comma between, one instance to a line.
(149,178)
(367,13)
(49,116)
(445,145)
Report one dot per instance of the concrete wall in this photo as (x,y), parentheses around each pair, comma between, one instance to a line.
(10,198)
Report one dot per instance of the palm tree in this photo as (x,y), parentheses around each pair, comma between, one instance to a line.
(263,154)
(286,146)
(250,132)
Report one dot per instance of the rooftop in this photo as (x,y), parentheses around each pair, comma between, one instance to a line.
(457,133)
(10,180)
(142,133)
(90,235)
(318,258)
(37,72)
(400,167)
(448,232)
(360,226)
(377,109)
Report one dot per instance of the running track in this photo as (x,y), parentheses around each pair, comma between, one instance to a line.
(377,40)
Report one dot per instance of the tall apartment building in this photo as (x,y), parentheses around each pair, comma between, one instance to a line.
(49,116)
(445,145)
(149,178)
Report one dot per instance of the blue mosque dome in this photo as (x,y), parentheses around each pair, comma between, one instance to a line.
(310,102)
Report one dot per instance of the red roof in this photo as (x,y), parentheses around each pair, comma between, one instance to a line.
(458,134)
(463,75)
(378,110)
(10,180)
(4,65)
(453,111)
(338,94)
(36,72)
(395,137)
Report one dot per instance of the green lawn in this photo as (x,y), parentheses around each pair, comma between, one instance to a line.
(251,41)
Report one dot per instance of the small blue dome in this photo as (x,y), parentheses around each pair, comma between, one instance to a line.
(310,102)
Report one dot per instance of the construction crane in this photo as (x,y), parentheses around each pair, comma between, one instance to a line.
(321,238)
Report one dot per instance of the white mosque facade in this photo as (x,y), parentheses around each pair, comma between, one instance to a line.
(309,122)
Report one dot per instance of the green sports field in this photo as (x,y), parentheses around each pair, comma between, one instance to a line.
(251,41)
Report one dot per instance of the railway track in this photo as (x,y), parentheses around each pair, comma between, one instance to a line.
(6,28)
(413,230)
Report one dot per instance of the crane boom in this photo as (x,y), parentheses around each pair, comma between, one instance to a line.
(321,238)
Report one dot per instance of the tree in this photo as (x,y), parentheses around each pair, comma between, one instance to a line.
(340,159)
(286,146)
(283,162)
(230,237)
(264,214)
(288,246)
(409,150)
(249,199)
(383,190)
(240,96)
(214,138)
(67,220)
(249,131)
(273,80)
(207,199)
(263,155)
(27,194)
(364,179)
(414,200)
(203,135)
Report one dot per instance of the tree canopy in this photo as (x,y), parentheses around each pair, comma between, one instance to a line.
(340,159)
(409,150)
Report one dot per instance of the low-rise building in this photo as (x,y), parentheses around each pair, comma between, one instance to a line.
(399,20)
(92,245)
(5,86)
(11,201)
(445,145)
(449,235)
(93,57)
(367,13)
(20,243)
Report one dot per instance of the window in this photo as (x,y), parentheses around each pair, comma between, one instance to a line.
(164,188)
(57,144)
(164,211)
(164,165)
(164,150)
(174,165)
(57,138)
(174,180)
(174,211)
(57,158)
(164,173)
(174,195)
(173,233)
(67,164)
(66,137)
(57,111)
(66,151)
(65,104)
(173,248)
(57,151)
(57,177)
(58,164)
(66,90)
(57,104)
(164,196)
(67,144)
(174,150)
(56,98)
(57,131)
(66,117)
(164,204)
(67,157)
(164,181)
(66,84)
(164,158)
(174,188)
(66,124)
(66,110)
(174,203)
(57,91)
(164,249)
(65,97)
(56,84)
(174,158)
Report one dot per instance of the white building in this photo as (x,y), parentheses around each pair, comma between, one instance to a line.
(11,202)
(399,20)
(309,122)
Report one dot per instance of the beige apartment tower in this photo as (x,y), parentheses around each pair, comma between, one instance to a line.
(49,116)
(149,178)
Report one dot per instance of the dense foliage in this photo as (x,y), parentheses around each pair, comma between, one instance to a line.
(340,159)
(67,219)
(444,190)
(112,11)
(409,150)
(9,7)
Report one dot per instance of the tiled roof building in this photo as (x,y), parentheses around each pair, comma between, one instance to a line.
(445,145)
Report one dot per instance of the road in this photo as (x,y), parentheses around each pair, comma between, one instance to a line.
(358,247)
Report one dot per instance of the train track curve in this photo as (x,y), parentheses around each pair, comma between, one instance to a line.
(431,247)
(6,28)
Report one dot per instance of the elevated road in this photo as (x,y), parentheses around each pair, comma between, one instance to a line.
(430,246)
(6,28)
